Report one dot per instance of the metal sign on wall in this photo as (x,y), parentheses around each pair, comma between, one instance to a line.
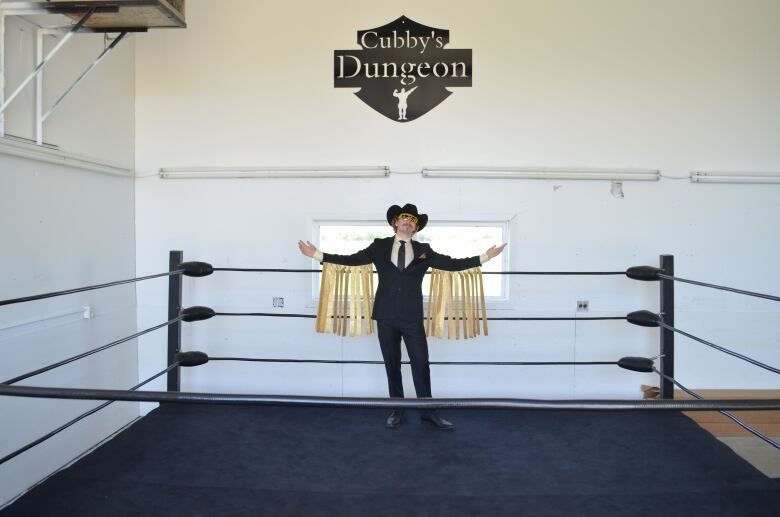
(402,68)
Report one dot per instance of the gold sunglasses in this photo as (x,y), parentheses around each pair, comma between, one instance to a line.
(408,217)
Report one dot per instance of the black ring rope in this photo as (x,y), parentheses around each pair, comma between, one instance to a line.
(282,315)
(276,270)
(80,417)
(266,270)
(744,425)
(89,352)
(89,288)
(555,273)
(722,288)
(371,403)
(441,363)
(591,318)
(720,348)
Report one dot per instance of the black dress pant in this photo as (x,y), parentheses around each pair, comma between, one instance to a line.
(390,333)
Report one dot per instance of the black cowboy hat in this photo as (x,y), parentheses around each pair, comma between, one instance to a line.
(395,210)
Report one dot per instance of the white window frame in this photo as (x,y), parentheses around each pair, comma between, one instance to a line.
(493,302)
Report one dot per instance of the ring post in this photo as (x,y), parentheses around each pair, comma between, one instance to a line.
(174,306)
(667,336)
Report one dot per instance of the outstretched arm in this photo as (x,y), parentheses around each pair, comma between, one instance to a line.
(447,263)
(364,256)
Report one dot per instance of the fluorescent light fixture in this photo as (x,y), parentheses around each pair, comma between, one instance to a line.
(734,177)
(273,172)
(542,173)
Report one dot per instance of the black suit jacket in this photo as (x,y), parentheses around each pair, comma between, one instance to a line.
(399,293)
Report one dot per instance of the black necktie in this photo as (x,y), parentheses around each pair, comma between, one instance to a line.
(402,256)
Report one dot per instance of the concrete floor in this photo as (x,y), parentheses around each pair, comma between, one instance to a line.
(757,452)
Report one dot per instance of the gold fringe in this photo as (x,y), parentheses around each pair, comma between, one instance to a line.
(346,293)
(429,319)
(456,296)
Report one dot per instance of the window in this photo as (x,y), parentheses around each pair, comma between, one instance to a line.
(458,239)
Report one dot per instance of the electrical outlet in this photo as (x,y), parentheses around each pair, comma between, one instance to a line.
(582,305)
(278,301)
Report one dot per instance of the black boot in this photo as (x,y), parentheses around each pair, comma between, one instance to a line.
(432,417)
(395,418)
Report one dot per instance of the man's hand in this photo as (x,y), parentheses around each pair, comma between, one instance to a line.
(495,251)
(307,248)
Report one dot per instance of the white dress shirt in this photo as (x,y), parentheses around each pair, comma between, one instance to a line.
(409,254)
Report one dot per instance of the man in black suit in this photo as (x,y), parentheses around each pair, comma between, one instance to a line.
(401,264)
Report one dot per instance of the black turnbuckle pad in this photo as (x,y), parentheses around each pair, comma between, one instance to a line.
(196,268)
(644,318)
(197,313)
(646,273)
(191,358)
(636,364)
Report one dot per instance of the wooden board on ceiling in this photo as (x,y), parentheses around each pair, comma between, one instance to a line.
(132,14)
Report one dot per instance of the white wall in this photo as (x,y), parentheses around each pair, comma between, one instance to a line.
(676,86)
(96,119)
(62,227)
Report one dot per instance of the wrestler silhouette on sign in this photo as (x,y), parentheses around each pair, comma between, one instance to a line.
(402,96)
